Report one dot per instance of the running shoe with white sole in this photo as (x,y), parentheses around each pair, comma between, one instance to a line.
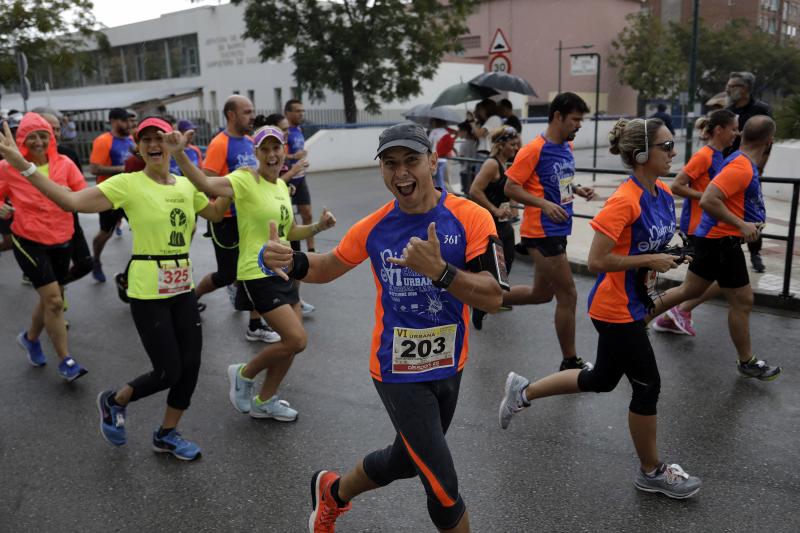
(275,408)
(324,509)
(306,308)
(112,420)
(263,333)
(175,444)
(32,348)
(670,480)
(70,370)
(513,401)
(682,320)
(664,324)
(759,369)
(241,388)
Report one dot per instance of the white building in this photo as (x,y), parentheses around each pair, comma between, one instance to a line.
(191,61)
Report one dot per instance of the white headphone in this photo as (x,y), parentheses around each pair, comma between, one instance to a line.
(642,157)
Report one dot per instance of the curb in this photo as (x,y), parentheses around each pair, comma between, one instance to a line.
(764,299)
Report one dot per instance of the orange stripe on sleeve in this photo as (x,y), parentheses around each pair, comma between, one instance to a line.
(101,150)
(216,155)
(438,490)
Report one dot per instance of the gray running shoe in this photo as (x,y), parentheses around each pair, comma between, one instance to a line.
(512,398)
(670,480)
(759,369)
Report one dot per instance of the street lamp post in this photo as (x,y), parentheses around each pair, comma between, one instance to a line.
(559,49)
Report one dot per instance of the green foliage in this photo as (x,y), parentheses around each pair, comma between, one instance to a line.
(648,59)
(377,49)
(787,117)
(46,31)
(654,59)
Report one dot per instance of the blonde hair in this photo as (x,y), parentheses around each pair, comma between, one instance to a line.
(501,135)
(627,138)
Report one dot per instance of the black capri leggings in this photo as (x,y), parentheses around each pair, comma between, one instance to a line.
(505,232)
(81,255)
(225,236)
(421,414)
(624,349)
(173,339)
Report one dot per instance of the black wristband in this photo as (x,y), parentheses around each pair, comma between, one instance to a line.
(447,277)
(299,266)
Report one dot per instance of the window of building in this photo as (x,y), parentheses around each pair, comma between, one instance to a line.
(278,93)
(470,41)
(251,95)
(296,93)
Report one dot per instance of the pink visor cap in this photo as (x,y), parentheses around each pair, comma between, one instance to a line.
(268,131)
(152,122)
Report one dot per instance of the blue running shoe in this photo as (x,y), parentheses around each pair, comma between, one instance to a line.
(112,420)
(173,443)
(71,370)
(32,348)
(97,273)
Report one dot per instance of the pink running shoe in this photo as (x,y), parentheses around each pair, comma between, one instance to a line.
(665,324)
(682,320)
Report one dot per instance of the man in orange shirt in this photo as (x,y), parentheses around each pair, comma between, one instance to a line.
(109,152)
(541,178)
(733,213)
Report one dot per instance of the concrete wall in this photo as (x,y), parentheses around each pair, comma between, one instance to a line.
(782,164)
(342,149)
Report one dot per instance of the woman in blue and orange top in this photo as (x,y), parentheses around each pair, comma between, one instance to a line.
(637,222)
(720,128)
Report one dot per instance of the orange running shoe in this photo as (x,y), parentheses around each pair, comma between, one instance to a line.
(324,509)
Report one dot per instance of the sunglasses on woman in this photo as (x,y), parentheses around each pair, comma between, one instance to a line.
(667,146)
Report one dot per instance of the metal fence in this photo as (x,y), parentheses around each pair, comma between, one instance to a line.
(789,239)
(90,124)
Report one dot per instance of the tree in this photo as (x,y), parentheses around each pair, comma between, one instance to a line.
(377,49)
(648,58)
(787,117)
(46,31)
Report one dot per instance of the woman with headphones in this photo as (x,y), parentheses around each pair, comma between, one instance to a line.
(635,225)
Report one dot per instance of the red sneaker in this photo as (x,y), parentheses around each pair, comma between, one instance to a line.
(324,509)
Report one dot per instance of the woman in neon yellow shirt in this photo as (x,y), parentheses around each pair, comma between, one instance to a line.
(161,209)
(262,200)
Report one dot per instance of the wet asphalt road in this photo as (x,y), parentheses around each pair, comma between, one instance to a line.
(566,464)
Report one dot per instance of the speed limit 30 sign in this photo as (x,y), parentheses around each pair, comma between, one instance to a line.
(500,63)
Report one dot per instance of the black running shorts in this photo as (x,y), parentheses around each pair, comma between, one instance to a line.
(720,260)
(547,246)
(270,293)
(42,264)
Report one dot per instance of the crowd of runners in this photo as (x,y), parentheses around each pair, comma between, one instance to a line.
(426,244)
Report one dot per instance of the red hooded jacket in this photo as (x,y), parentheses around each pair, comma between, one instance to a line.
(35,217)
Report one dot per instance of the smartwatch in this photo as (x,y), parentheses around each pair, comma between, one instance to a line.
(447,277)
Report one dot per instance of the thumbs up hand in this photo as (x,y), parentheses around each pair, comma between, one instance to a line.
(326,220)
(275,258)
(424,257)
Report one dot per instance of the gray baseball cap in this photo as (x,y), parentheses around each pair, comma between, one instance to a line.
(406,134)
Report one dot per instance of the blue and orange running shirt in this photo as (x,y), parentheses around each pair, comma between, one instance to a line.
(295,142)
(420,330)
(110,151)
(546,170)
(226,153)
(701,169)
(738,181)
(639,223)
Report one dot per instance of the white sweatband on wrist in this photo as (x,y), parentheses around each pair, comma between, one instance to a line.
(28,171)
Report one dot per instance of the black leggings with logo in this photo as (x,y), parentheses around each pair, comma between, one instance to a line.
(421,413)
(173,339)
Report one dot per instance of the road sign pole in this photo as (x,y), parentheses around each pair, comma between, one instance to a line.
(596,114)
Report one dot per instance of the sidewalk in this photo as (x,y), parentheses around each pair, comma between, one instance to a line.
(766,287)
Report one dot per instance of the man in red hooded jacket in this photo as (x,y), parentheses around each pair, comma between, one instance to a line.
(41,234)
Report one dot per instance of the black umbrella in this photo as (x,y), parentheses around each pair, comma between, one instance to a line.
(503,82)
(463,92)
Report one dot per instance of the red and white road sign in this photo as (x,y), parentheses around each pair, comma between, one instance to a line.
(500,63)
